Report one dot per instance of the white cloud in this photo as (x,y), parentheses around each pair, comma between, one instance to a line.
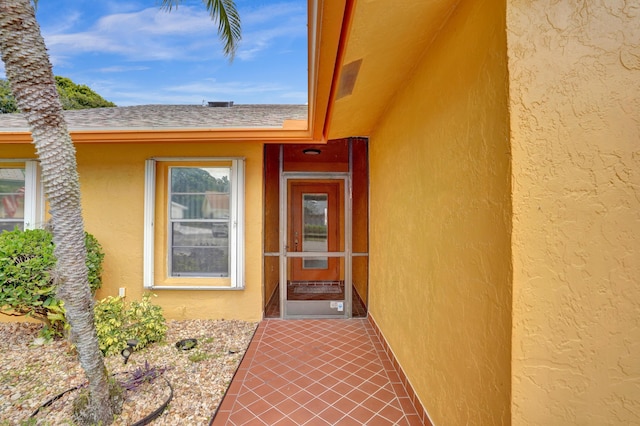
(213,88)
(115,53)
(66,22)
(300,96)
(273,12)
(149,34)
(116,69)
(256,42)
(185,33)
(270,24)
(196,92)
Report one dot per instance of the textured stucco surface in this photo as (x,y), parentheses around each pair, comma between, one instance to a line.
(440,262)
(575,124)
(112,185)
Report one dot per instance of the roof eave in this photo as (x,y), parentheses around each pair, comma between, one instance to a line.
(171,136)
(326,21)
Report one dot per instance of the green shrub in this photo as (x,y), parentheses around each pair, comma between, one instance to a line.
(27,286)
(116,323)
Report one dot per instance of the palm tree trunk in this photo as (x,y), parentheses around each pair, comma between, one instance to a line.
(30,74)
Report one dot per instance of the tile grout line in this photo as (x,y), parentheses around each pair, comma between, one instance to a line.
(417,404)
(315,333)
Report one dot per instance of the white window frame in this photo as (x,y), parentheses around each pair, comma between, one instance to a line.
(236,230)
(33,192)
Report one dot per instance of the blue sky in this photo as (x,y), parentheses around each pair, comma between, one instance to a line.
(133,53)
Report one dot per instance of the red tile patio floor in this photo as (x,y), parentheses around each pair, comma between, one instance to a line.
(316,372)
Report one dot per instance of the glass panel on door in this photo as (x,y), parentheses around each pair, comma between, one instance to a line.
(314,229)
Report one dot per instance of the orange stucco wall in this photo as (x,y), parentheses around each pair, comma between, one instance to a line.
(112,186)
(440,261)
(575,126)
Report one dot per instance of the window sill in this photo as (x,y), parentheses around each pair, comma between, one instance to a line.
(197,288)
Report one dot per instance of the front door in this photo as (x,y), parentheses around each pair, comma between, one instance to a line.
(315,249)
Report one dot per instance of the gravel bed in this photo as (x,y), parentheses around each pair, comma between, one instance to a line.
(31,374)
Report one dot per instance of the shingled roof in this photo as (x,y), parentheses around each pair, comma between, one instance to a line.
(150,117)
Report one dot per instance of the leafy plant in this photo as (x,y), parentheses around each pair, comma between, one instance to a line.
(142,375)
(116,323)
(199,356)
(147,322)
(27,276)
(110,318)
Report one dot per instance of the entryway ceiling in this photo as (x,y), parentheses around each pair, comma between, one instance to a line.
(385,41)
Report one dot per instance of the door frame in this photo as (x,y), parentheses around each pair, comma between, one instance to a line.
(311,308)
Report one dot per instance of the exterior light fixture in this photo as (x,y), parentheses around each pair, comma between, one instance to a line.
(126,352)
(186,344)
(311,151)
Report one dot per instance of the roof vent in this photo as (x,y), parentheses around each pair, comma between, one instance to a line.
(225,104)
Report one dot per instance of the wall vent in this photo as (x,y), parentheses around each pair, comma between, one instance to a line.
(223,104)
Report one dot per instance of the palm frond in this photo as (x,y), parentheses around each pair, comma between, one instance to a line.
(168,5)
(229,26)
(228,18)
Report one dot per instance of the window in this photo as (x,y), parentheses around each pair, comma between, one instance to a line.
(199,221)
(314,233)
(21,196)
(193,223)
